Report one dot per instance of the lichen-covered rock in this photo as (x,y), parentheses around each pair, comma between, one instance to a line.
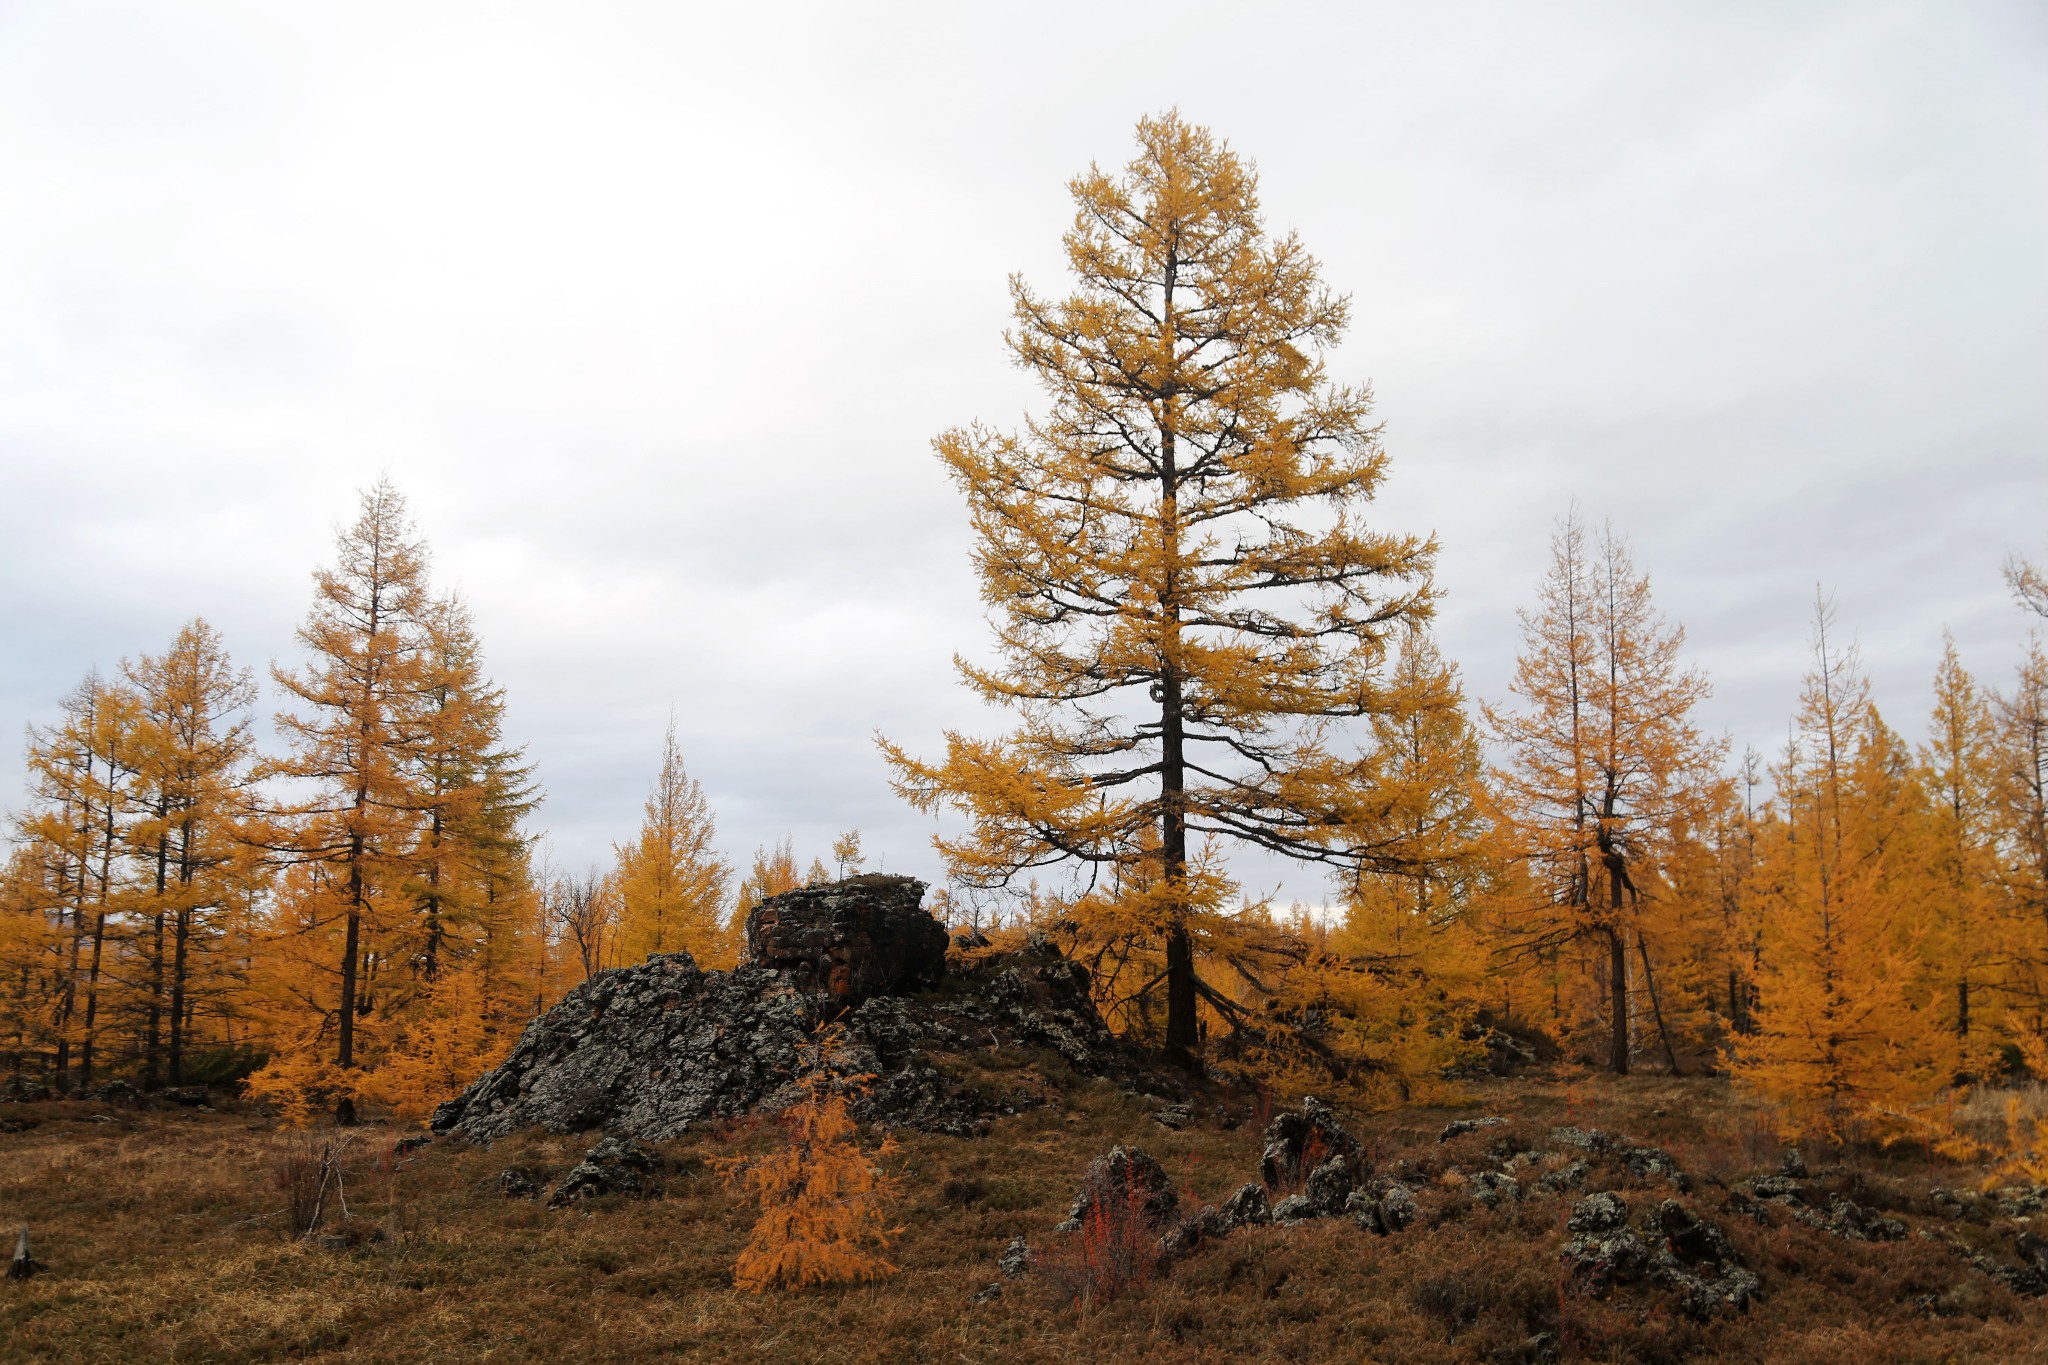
(613,1166)
(1570,1176)
(1653,1161)
(1397,1209)
(1328,1185)
(1015,1261)
(849,940)
(1294,1208)
(1493,1189)
(1600,1212)
(1123,1185)
(1460,1127)
(654,1050)
(1296,1144)
(1585,1139)
(519,1182)
(1599,1260)
(1247,1208)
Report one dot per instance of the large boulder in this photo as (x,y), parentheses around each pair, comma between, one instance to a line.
(850,940)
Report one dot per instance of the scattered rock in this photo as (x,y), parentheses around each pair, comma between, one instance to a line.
(1853,1221)
(406,1146)
(2020,1201)
(1328,1185)
(1570,1176)
(1460,1127)
(1598,1261)
(1295,1208)
(1780,1187)
(988,1293)
(21,1090)
(1653,1161)
(1295,1144)
(1601,1212)
(1397,1209)
(1123,1183)
(1793,1163)
(614,1166)
(520,1182)
(1493,1190)
(1174,1116)
(190,1096)
(1015,1262)
(1585,1139)
(1247,1208)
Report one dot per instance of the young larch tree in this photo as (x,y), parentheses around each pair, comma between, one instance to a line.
(1186,602)
(1603,760)
(1839,1035)
(672,884)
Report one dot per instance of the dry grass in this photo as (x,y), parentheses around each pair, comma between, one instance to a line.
(165,1240)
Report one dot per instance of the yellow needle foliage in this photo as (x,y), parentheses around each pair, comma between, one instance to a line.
(1188,605)
(1604,762)
(1840,1035)
(823,1200)
(671,883)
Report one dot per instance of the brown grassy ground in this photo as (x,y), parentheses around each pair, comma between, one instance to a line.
(162,1231)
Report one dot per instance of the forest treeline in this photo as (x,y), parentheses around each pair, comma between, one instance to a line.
(357,911)
(1207,642)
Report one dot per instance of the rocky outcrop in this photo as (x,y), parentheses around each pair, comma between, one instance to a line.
(850,940)
(655,1050)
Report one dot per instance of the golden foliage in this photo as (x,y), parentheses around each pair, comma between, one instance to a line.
(1186,600)
(671,884)
(1605,765)
(823,1200)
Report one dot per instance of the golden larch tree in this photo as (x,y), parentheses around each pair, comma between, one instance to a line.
(823,1200)
(195,749)
(1187,603)
(1839,1035)
(1959,862)
(672,885)
(353,748)
(1603,761)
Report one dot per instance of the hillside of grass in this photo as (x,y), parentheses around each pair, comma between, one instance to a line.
(163,1235)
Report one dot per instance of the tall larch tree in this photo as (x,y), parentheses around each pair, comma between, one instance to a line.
(1187,603)
(1603,762)
(81,774)
(1960,863)
(2019,804)
(674,889)
(354,742)
(195,747)
(1839,1036)
(471,881)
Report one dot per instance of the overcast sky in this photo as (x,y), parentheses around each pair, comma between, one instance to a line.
(652,310)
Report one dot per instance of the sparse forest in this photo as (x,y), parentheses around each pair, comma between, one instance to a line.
(323,904)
